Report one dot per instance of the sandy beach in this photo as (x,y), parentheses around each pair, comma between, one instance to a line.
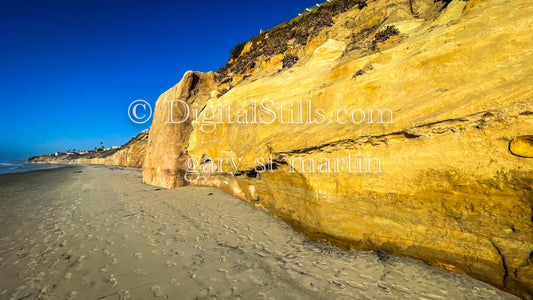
(96,232)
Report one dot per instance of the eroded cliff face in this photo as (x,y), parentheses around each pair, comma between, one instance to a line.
(454,148)
(166,154)
(131,154)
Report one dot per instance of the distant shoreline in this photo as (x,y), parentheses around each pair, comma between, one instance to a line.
(14,167)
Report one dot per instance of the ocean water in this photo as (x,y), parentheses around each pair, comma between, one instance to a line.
(18,166)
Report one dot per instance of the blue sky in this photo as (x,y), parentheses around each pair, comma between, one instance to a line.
(70,69)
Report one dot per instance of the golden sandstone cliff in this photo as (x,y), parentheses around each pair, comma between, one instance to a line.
(454,83)
(445,174)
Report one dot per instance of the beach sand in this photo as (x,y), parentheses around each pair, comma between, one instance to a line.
(95,232)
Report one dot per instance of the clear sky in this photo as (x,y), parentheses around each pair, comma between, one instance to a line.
(70,69)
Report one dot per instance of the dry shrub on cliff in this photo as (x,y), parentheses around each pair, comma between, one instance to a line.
(359,40)
(298,30)
(236,51)
(385,34)
(289,60)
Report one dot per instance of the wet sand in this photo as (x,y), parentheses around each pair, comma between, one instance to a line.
(95,232)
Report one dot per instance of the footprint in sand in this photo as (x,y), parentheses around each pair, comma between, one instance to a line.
(174,282)
(123,295)
(112,280)
(170,263)
(72,295)
(202,294)
(211,292)
(191,274)
(139,272)
(158,292)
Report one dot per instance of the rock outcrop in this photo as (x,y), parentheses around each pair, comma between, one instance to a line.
(445,176)
(174,113)
(522,146)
